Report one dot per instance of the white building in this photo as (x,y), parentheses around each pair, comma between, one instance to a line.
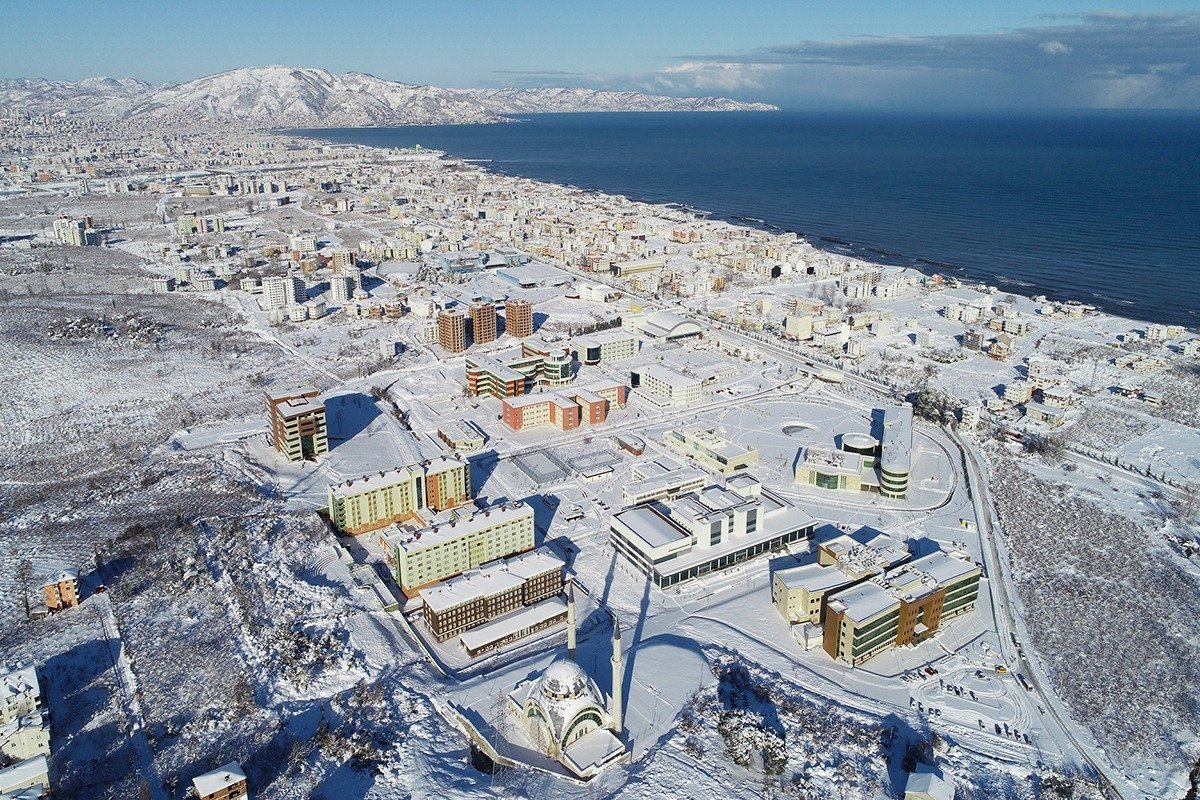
(281,291)
(666,388)
(30,773)
(20,694)
(606,346)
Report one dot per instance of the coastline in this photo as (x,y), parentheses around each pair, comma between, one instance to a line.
(828,244)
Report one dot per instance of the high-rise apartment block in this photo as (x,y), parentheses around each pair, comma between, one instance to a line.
(76,232)
(518,318)
(281,291)
(483,323)
(452,330)
(298,428)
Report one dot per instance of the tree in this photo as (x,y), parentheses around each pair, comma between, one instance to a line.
(25,581)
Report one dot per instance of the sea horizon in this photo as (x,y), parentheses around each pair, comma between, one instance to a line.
(1081,201)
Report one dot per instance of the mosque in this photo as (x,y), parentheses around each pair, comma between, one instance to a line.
(562,712)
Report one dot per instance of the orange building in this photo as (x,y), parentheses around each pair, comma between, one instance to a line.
(483,323)
(518,318)
(62,591)
(452,330)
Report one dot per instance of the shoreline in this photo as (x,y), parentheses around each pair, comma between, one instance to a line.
(876,256)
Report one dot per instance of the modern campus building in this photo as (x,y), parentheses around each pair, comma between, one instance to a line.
(298,429)
(709,448)
(492,377)
(554,367)
(565,410)
(903,606)
(492,592)
(799,593)
(422,556)
(666,388)
(461,435)
(518,318)
(515,374)
(483,323)
(717,527)
(606,346)
(895,460)
(652,480)
(452,330)
(374,501)
(62,591)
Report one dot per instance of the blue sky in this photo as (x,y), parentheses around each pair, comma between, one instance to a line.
(859,54)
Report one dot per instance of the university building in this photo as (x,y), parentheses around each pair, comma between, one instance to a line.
(422,556)
(298,429)
(673,541)
(374,501)
(709,448)
(565,410)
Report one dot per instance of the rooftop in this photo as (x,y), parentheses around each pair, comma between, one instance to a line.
(218,779)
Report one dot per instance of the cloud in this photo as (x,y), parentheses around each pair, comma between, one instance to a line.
(1054,47)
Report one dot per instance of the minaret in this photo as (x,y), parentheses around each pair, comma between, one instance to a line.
(617,677)
(571,622)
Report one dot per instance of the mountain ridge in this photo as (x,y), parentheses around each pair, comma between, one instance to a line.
(282,96)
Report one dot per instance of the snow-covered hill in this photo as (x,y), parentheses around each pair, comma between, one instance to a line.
(286,96)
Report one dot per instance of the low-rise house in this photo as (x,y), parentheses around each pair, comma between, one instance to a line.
(226,783)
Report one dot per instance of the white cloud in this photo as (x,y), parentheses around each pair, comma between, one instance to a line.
(1054,48)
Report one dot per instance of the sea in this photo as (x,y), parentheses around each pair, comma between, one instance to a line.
(1100,207)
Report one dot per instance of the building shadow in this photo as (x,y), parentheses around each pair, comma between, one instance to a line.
(347,415)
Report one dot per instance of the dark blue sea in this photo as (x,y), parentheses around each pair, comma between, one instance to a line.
(1100,207)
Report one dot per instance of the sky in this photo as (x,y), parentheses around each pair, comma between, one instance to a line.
(795,53)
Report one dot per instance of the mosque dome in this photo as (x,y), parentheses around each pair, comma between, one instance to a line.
(563,705)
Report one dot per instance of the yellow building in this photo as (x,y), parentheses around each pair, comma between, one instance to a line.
(380,499)
(422,557)
(710,449)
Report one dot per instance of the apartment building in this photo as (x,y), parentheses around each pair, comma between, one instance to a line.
(281,291)
(62,591)
(483,323)
(518,318)
(479,596)
(380,499)
(421,557)
(710,449)
(452,330)
(297,419)
(76,232)
(903,606)
(25,737)
(20,693)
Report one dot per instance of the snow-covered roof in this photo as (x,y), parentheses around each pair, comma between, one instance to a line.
(813,578)
(212,782)
(926,785)
(33,771)
(490,579)
(19,681)
(897,439)
(410,541)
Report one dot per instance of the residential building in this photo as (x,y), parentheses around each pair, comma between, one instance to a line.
(62,591)
(20,693)
(675,541)
(341,288)
(903,606)
(483,323)
(423,556)
(925,784)
(226,783)
(297,419)
(281,291)
(76,232)
(162,285)
(27,774)
(192,225)
(606,346)
(493,590)
(666,388)
(518,318)
(706,446)
(452,330)
(25,737)
(798,327)
(380,499)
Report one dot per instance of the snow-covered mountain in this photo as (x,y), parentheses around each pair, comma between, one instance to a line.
(286,96)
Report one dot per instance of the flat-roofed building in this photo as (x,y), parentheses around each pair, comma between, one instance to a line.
(903,606)
(518,318)
(565,410)
(827,468)
(482,595)
(707,531)
(654,481)
(62,591)
(606,346)
(370,502)
(706,446)
(226,783)
(462,435)
(492,377)
(452,330)
(554,369)
(799,593)
(667,388)
(298,428)
(483,322)
(422,556)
